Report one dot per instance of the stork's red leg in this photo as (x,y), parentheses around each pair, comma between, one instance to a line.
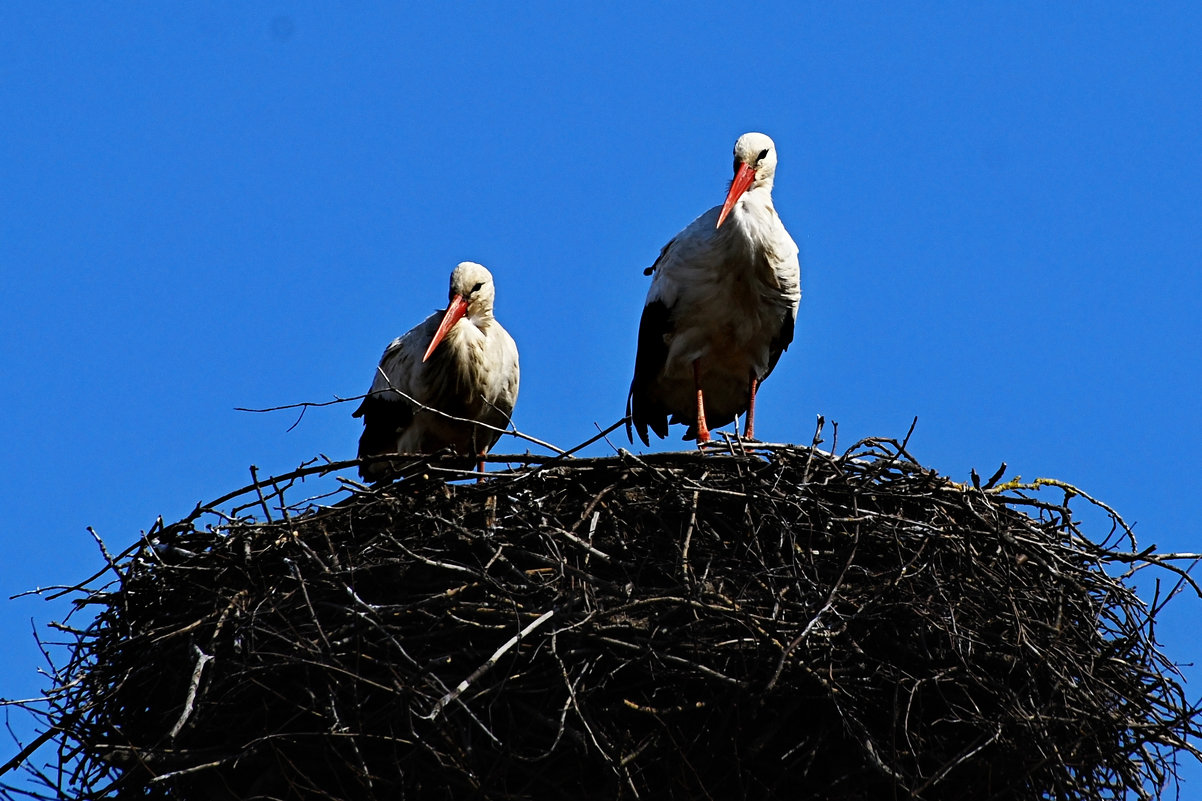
(703,432)
(480,469)
(752,385)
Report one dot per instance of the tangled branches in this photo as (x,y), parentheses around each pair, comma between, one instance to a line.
(765,624)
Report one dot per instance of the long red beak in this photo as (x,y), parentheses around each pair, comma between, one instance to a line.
(453,314)
(738,186)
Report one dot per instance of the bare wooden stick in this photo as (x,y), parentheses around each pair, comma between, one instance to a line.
(488,664)
(202,659)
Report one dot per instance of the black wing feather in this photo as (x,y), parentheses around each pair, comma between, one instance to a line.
(383,421)
(642,408)
(780,342)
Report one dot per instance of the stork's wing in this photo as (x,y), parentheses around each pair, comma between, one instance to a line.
(642,408)
(658,259)
(503,381)
(684,253)
(385,411)
(383,422)
(780,343)
(785,263)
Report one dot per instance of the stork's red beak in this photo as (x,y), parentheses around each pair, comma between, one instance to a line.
(453,314)
(738,186)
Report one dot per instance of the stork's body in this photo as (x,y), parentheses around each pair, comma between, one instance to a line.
(720,310)
(458,363)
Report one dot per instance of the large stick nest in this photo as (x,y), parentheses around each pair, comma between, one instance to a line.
(777,624)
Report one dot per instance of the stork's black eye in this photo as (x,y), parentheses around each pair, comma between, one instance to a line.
(763,154)
(476,288)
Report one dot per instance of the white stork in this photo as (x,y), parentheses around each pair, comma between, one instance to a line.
(720,310)
(436,383)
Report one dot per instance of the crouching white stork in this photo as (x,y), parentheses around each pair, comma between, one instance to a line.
(439,382)
(720,310)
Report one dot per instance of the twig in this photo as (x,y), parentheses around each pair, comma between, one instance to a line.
(202,659)
(254,475)
(488,665)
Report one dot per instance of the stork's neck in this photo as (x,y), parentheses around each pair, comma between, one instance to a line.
(760,193)
(479,312)
(464,347)
(757,239)
(481,318)
(763,181)
(754,215)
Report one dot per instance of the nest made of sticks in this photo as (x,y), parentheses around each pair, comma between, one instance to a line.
(774,623)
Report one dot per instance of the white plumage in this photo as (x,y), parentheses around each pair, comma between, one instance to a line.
(458,363)
(720,310)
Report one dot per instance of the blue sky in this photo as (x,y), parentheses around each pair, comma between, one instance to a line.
(230,204)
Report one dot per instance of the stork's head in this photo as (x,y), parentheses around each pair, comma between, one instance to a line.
(755,165)
(473,283)
(471,294)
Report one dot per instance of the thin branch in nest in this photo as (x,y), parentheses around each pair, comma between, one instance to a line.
(418,406)
(202,659)
(488,665)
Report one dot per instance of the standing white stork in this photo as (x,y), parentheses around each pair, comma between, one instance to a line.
(458,363)
(720,310)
